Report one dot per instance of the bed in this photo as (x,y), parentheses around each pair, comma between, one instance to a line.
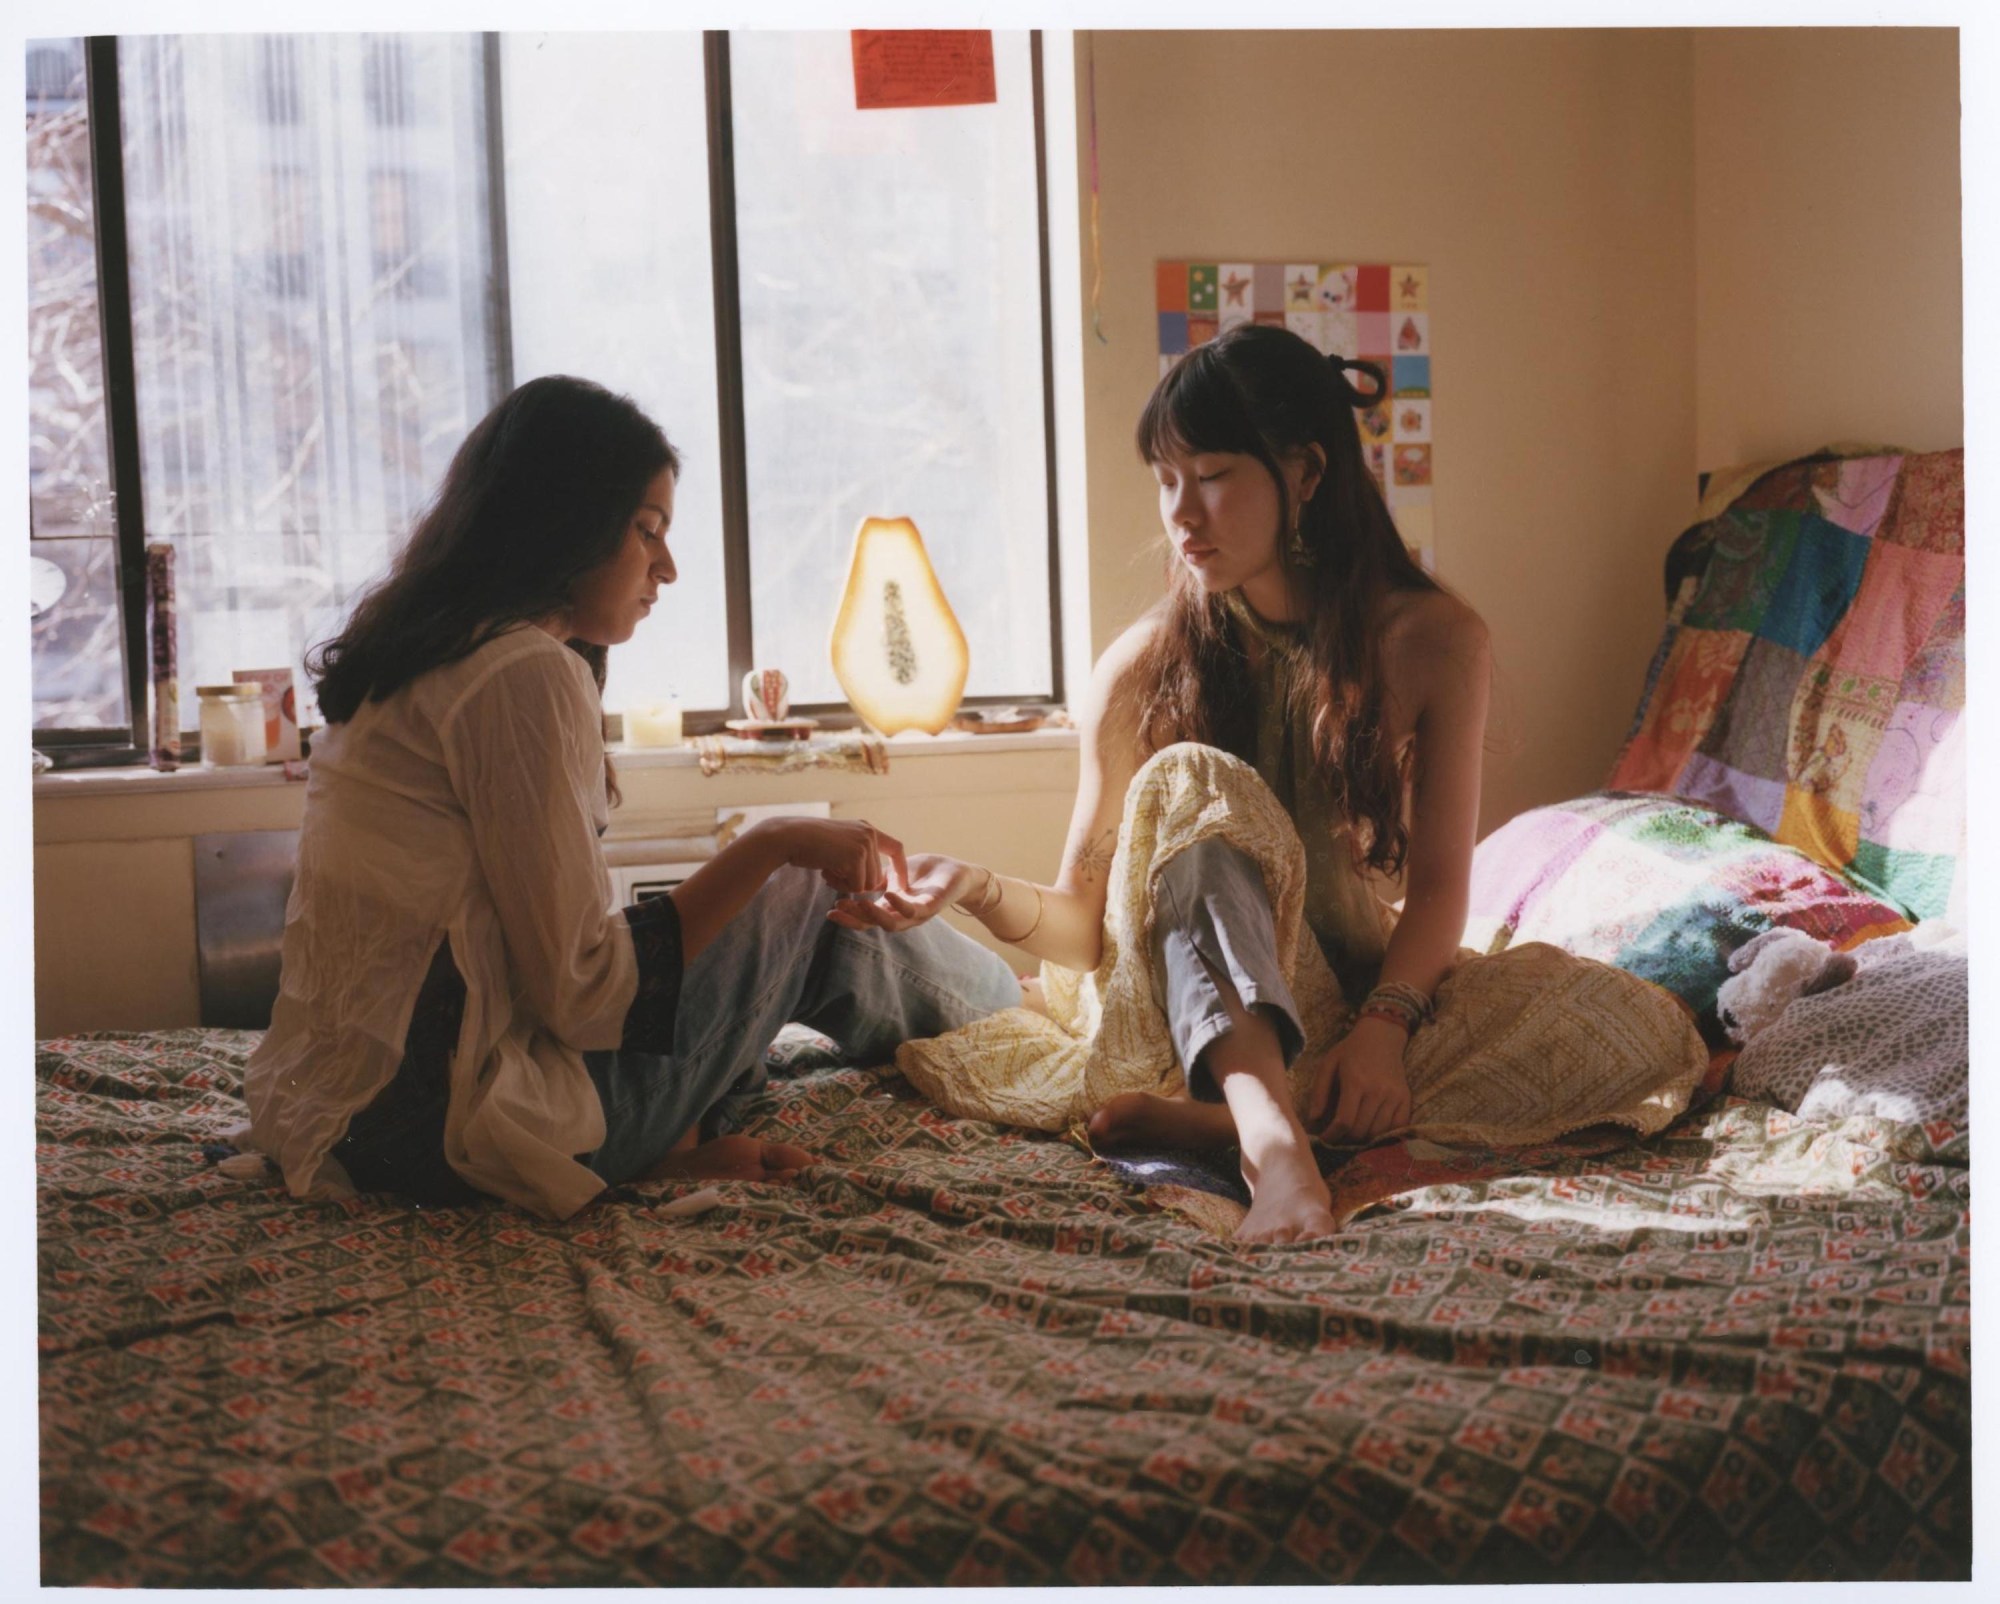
(960,1354)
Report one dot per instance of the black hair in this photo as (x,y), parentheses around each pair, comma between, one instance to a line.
(1264,392)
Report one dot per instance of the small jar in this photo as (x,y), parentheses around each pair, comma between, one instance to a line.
(232,725)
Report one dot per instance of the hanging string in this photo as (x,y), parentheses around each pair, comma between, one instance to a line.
(1096,242)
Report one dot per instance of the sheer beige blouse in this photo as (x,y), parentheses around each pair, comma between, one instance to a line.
(465,808)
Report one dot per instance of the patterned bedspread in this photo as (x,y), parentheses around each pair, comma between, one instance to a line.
(961,1354)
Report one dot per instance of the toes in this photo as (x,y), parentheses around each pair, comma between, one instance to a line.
(784,1158)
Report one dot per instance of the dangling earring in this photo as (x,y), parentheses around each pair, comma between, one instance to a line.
(1301,554)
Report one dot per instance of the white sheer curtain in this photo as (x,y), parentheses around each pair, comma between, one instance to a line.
(311,269)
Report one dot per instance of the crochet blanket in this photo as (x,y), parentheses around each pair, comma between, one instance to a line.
(1811,680)
(1894,1042)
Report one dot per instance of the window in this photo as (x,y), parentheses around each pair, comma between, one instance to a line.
(890,274)
(342,249)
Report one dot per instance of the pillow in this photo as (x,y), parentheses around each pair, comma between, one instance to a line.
(1663,888)
(1893,1042)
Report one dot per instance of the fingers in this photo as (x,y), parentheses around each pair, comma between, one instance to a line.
(887,912)
(1364,1116)
(892,850)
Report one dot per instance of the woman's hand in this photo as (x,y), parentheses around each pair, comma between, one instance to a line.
(922,886)
(1359,1091)
(851,855)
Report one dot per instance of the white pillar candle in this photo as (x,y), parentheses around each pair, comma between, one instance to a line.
(653,726)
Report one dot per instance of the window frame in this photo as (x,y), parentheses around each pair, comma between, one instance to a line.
(105,747)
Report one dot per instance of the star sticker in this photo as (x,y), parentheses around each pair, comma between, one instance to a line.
(1410,286)
(1236,284)
(1302,288)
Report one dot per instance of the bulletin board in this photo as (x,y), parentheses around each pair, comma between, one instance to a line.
(1376,311)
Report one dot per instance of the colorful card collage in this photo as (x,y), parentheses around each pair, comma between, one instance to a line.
(1379,312)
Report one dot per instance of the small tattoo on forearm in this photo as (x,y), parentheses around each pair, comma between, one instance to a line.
(1092,860)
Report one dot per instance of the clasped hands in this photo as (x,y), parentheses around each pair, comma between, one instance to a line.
(884,887)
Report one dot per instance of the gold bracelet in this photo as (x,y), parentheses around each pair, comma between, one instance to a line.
(986,903)
(1041,907)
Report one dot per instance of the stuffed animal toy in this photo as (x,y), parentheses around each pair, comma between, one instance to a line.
(1770,971)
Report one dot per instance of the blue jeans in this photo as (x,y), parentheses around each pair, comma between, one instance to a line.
(1213,919)
(780,961)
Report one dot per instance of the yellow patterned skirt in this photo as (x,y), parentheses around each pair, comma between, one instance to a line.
(1528,1044)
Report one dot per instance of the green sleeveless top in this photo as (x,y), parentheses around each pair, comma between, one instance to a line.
(1345,915)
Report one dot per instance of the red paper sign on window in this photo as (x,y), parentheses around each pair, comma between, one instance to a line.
(922,67)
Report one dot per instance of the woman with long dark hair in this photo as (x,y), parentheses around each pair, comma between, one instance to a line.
(1299,721)
(459,1011)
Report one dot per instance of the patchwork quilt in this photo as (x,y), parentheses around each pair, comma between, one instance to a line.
(1811,681)
(960,1354)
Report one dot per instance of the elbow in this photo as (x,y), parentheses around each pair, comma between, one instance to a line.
(1083,958)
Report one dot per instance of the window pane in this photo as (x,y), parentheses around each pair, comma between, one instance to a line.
(608,258)
(892,350)
(310,278)
(79,676)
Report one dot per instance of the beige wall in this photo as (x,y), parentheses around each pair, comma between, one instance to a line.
(1546,178)
(1828,284)
(1650,252)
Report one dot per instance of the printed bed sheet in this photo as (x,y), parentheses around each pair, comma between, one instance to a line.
(962,1354)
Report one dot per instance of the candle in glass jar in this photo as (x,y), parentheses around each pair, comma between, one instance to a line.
(656,725)
(232,725)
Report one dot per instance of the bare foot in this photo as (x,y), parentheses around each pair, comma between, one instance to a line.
(1288,1202)
(1143,1119)
(731,1158)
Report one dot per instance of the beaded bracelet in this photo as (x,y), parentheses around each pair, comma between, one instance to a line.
(1412,997)
(1400,1003)
(1394,1016)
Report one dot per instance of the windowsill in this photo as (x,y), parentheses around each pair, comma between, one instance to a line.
(138,780)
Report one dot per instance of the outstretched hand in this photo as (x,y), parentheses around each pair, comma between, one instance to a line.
(1359,1091)
(920,886)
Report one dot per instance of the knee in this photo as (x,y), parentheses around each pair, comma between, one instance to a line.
(1210,883)
(1211,863)
(1207,769)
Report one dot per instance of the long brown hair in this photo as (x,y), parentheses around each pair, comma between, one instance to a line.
(1263,392)
(540,492)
